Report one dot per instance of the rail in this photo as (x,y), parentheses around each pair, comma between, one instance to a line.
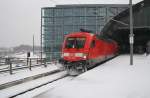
(40,85)
(27,79)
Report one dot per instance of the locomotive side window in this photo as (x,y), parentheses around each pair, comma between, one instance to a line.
(75,42)
(93,44)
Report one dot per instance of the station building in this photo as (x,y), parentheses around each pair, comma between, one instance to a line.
(63,19)
(119,29)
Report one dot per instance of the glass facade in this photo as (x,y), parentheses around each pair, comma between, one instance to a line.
(63,19)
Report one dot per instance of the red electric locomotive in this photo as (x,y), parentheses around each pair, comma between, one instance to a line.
(82,50)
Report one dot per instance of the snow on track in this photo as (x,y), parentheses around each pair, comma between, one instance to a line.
(113,79)
(21,74)
(45,88)
(29,85)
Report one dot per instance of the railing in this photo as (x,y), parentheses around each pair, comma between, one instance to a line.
(11,64)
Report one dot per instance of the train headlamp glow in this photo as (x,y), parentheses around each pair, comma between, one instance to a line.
(66,54)
(83,55)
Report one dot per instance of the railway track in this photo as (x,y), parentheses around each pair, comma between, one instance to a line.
(19,87)
(31,89)
(36,87)
(27,79)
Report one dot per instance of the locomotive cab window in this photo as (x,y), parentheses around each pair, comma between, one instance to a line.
(93,44)
(73,42)
(70,43)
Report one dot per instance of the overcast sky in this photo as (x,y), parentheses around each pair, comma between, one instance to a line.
(20,19)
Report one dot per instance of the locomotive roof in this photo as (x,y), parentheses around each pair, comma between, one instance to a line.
(101,37)
(80,34)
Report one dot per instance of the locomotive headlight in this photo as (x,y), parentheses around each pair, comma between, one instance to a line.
(65,54)
(79,54)
(83,55)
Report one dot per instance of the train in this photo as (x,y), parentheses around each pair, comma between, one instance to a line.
(83,50)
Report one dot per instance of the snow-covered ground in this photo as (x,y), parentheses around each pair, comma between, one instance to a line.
(11,91)
(21,74)
(114,79)
(47,87)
